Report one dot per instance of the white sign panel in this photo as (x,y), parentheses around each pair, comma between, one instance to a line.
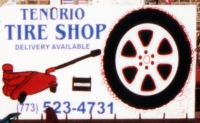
(98,60)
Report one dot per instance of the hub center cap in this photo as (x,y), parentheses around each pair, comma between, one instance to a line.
(146,59)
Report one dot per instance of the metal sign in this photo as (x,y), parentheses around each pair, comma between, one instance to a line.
(104,61)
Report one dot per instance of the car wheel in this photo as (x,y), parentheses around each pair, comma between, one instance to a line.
(147,58)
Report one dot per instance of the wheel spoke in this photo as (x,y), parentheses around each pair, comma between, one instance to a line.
(132,36)
(159,82)
(161,59)
(137,82)
(126,61)
(158,36)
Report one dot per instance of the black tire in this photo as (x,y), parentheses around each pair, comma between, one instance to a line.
(172,26)
(22,97)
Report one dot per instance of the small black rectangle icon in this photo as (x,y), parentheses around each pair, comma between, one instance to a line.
(81,84)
